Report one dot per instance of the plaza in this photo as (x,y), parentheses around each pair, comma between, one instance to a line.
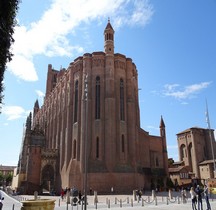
(115,202)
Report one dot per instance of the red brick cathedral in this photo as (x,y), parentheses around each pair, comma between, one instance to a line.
(91,112)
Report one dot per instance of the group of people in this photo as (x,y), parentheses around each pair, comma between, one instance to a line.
(197,195)
(74,193)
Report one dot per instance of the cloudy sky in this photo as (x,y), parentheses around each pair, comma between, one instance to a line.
(172,43)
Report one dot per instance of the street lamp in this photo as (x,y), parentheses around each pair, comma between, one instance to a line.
(86,139)
(211,139)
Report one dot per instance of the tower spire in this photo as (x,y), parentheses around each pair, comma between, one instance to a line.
(109,39)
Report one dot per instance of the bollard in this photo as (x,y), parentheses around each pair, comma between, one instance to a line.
(108,203)
(95,197)
(59,202)
(68,197)
(106,200)
(115,200)
(153,194)
(132,202)
(13,207)
(120,202)
(142,202)
(134,195)
(178,200)
(155,201)
(127,200)
(167,201)
(35,195)
(170,194)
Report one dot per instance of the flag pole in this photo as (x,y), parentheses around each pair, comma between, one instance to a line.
(210,136)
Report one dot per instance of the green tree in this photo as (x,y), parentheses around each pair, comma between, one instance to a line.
(9,178)
(1,178)
(169,183)
(8,11)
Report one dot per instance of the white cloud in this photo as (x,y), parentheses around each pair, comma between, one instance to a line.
(23,68)
(14,112)
(174,90)
(40,95)
(48,36)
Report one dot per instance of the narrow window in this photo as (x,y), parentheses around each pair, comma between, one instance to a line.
(156,162)
(97,147)
(122,144)
(97,98)
(122,117)
(74,149)
(76,102)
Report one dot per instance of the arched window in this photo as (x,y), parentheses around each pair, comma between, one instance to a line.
(97,147)
(97,98)
(122,144)
(182,151)
(76,101)
(122,116)
(74,149)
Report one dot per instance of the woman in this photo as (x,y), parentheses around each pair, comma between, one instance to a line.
(193,198)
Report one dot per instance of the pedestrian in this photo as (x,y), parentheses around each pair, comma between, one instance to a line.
(62,193)
(199,196)
(193,198)
(1,199)
(80,197)
(206,194)
(184,195)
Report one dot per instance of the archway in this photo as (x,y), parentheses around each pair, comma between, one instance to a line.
(47,179)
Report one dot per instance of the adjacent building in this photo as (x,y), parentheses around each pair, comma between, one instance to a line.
(90,124)
(197,150)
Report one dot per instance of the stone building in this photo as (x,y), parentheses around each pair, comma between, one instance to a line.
(196,148)
(91,112)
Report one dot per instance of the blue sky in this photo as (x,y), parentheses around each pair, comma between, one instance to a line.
(172,43)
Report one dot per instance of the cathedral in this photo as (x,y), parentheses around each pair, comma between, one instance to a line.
(89,129)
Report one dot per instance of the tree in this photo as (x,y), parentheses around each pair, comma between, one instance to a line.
(8,178)
(170,162)
(1,178)
(8,11)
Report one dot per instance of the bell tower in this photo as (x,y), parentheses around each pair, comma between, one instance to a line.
(109,39)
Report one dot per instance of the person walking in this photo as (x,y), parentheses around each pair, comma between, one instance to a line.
(206,195)
(193,198)
(1,199)
(199,195)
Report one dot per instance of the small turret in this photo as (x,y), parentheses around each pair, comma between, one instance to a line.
(109,39)
(29,121)
(162,128)
(164,144)
(36,107)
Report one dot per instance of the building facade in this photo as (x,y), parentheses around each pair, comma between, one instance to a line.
(90,122)
(197,149)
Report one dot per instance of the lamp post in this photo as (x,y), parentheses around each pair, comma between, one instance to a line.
(211,139)
(86,140)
